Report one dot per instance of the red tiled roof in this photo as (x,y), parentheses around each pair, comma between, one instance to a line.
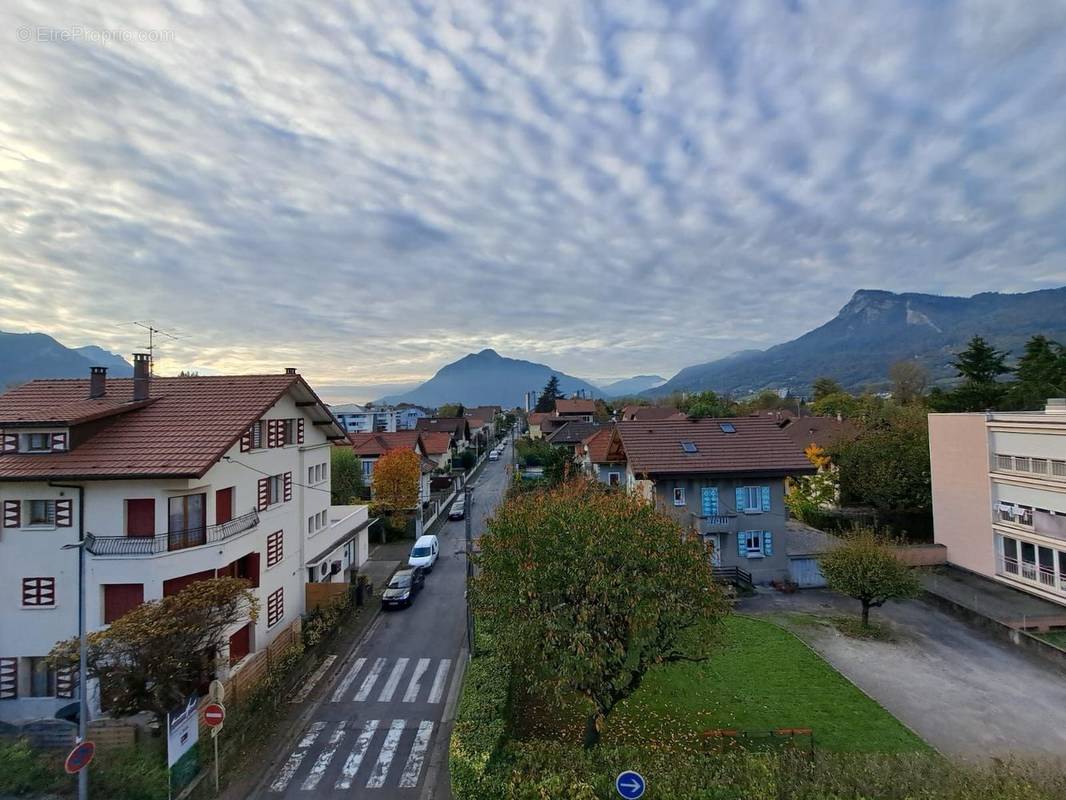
(436,443)
(650,413)
(376,444)
(576,406)
(537,417)
(189,423)
(604,447)
(758,446)
(26,410)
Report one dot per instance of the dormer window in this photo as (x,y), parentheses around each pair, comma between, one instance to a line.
(37,442)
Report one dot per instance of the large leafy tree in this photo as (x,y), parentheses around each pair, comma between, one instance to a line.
(1040,374)
(155,656)
(396,479)
(586,590)
(548,395)
(909,381)
(823,387)
(451,410)
(867,568)
(345,476)
(886,466)
(707,404)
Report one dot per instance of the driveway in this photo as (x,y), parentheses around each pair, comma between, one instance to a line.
(965,693)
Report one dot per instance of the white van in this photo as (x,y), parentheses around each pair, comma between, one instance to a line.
(424,553)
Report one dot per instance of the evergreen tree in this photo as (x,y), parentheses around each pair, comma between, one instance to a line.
(1040,374)
(980,362)
(548,396)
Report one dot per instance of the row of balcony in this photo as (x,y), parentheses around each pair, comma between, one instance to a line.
(1030,571)
(1035,520)
(171,540)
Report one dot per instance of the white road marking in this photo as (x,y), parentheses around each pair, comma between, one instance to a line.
(355,758)
(342,687)
(388,750)
(288,769)
(437,690)
(315,678)
(413,769)
(415,686)
(369,681)
(389,689)
(318,769)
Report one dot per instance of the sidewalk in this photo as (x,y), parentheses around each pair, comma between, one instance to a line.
(384,560)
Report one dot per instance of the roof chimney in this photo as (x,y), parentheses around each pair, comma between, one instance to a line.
(140,376)
(290,370)
(1055,405)
(97,382)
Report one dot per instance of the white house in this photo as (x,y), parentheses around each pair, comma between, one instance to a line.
(355,418)
(169,480)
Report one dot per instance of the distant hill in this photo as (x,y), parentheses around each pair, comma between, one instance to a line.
(876,329)
(634,385)
(25,356)
(487,378)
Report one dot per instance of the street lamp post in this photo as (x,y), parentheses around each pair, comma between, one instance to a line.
(83,702)
(469,570)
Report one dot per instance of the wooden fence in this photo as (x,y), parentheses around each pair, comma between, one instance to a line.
(320,594)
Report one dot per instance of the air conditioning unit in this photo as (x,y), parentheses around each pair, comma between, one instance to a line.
(335,567)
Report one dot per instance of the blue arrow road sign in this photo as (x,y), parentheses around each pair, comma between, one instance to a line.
(630,784)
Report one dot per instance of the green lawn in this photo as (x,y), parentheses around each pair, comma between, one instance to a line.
(761,677)
(1057,638)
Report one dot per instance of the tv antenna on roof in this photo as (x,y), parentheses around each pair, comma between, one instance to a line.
(149,325)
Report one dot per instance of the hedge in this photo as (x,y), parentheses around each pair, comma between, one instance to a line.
(480,725)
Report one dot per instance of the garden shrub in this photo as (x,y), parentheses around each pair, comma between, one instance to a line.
(25,771)
(480,725)
(128,774)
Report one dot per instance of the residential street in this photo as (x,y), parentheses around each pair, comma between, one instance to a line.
(378,727)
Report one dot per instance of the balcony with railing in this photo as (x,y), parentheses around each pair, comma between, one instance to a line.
(1017,515)
(715,523)
(170,541)
(1052,468)
(1030,571)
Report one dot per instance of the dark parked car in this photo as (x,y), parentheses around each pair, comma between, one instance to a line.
(403,587)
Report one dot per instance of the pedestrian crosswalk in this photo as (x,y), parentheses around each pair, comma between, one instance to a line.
(389,750)
(355,740)
(367,680)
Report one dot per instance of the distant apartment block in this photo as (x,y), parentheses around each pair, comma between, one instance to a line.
(355,418)
(999,495)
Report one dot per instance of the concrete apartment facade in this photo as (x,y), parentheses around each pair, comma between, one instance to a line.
(999,495)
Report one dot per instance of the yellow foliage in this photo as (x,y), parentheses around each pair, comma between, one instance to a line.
(816,455)
(396,479)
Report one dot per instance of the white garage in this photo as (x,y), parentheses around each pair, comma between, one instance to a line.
(805,545)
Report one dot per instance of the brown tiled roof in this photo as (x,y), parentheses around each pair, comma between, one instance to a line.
(576,406)
(537,417)
(189,424)
(822,431)
(457,426)
(649,413)
(436,442)
(376,444)
(573,432)
(758,446)
(550,424)
(605,447)
(26,411)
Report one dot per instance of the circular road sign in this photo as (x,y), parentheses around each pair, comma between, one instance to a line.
(630,784)
(79,757)
(217,691)
(214,714)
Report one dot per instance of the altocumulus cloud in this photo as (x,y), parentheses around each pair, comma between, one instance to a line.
(366,189)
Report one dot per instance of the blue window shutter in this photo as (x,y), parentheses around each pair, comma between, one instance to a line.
(767,543)
(740,499)
(765,492)
(710,501)
(742,544)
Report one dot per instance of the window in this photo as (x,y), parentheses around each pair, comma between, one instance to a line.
(679,495)
(246,568)
(186,521)
(614,478)
(368,468)
(240,644)
(39,592)
(311,523)
(275,607)
(288,431)
(275,486)
(727,427)
(37,442)
(140,517)
(257,435)
(120,599)
(322,520)
(42,677)
(41,512)
(312,474)
(753,499)
(275,547)
(754,543)
(689,447)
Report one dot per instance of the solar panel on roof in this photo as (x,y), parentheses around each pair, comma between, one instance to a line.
(688,447)
(727,427)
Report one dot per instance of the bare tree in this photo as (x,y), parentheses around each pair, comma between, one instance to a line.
(909,380)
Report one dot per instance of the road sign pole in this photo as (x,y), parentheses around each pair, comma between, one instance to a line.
(214,735)
(469,571)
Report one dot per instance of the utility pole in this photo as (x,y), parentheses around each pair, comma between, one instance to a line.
(469,570)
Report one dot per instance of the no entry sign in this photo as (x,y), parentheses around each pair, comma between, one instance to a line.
(214,714)
(79,757)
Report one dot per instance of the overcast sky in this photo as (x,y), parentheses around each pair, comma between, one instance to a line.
(367,190)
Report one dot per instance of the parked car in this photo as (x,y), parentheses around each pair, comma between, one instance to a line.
(494,455)
(424,553)
(458,509)
(403,587)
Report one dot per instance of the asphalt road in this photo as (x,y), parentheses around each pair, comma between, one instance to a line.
(380,724)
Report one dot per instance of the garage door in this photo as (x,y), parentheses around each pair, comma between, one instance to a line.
(807,573)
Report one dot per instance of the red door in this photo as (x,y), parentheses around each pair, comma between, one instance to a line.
(140,517)
(119,598)
(224,505)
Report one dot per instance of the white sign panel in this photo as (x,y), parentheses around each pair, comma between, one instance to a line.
(183,730)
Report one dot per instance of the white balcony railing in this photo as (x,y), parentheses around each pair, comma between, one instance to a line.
(1026,465)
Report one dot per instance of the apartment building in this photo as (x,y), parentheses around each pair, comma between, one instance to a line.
(999,495)
(166,481)
(355,418)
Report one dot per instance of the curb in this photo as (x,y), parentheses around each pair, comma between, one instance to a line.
(442,750)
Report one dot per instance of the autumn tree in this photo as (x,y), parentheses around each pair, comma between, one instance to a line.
(155,656)
(585,590)
(909,380)
(548,395)
(396,481)
(865,566)
(809,495)
(345,476)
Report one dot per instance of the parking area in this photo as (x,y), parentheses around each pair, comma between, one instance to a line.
(969,695)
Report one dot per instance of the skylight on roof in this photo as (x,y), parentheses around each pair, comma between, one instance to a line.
(727,427)
(689,447)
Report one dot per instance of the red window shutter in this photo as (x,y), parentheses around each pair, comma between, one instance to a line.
(264,493)
(121,598)
(253,569)
(66,682)
(246,440)
(223,505)
(273,439)
(64,515)
(59,441)
(175,585)
(140,517)
(39,592)
(300,430)
(240,644)
(275,607)
(288,486)
(11,442)
(12,513)
(275,547)
(9,678)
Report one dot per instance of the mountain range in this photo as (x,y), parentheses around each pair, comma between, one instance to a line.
(631,386)
(24,356)
(874,330)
